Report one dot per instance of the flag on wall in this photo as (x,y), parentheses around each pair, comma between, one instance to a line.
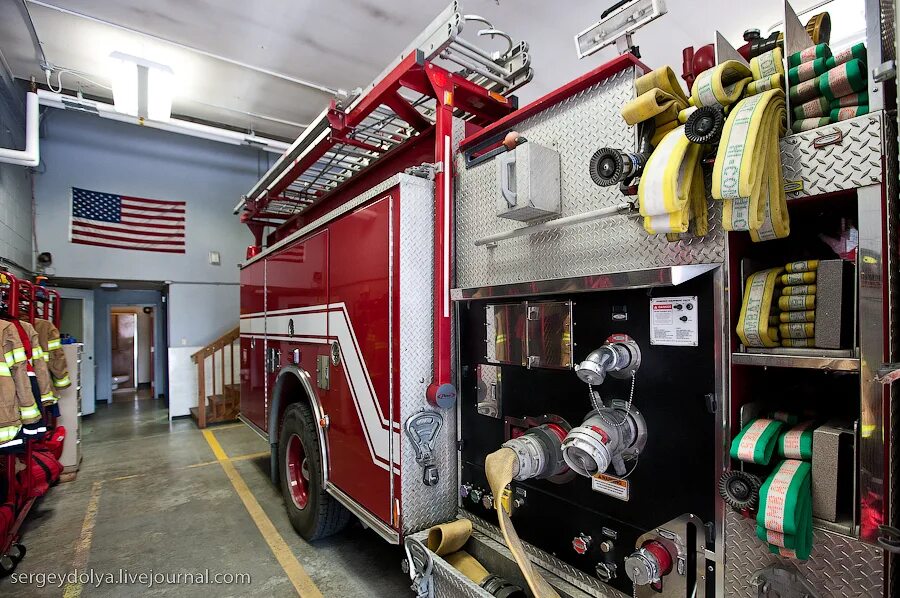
(108,220)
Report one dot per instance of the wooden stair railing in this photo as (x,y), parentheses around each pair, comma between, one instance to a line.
(223,402)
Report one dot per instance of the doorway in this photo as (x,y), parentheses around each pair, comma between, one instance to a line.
(131,352)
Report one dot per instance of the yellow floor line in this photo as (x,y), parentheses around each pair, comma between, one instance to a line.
(296,573)
(83,548)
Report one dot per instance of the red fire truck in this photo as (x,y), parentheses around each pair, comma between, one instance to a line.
(426,238)
(345,317)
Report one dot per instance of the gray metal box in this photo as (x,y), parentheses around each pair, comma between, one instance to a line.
(528,183)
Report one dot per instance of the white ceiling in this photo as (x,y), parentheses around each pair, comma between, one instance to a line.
(336,43)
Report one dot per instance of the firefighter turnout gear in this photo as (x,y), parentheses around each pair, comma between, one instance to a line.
(18,407)
(53,353)
(39,361)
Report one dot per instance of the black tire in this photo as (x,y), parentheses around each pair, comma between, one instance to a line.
(322,516)
(17,552)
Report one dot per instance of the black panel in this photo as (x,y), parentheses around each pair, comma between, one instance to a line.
(676,472)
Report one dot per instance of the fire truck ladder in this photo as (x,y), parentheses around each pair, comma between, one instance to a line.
(438,70)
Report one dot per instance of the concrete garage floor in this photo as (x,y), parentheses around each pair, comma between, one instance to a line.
(152,497)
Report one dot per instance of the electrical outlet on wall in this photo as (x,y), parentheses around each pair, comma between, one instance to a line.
(215,259)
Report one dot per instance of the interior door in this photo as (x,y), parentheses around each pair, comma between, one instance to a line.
(82,329)
(124,329)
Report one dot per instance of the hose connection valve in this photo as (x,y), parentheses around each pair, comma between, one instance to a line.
(619,356)
(539,453)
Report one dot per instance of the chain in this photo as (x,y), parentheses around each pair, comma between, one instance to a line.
(598,405)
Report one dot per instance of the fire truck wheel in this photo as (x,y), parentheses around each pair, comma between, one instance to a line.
(312,511)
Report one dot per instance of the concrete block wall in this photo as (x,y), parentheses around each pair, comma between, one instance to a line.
(15,181)
(15,214)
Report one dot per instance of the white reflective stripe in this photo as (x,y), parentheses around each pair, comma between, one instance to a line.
(4,370)
(19,354)
(333,322)
(776,499)
(654,182)
(54,344)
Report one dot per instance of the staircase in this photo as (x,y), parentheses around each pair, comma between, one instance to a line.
(217,365)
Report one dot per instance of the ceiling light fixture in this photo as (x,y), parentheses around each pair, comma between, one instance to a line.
(141,87)
(109,285)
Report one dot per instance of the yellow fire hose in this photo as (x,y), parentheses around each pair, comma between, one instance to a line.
(747,173)
(671,191)
(500,469)
(722,85)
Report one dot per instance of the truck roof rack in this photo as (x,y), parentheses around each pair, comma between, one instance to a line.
(358,130)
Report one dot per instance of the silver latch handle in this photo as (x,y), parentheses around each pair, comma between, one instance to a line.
(507,175)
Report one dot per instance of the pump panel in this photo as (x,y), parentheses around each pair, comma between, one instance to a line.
(676,466)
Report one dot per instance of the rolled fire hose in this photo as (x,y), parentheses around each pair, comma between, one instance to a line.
(747,173)
(761,85)
(768,64)
(446,541)
(784,519)
(753,323)
(500,469)
(671,188)
(809,54)
(757,441)
(722,85)
(659,96)
(802,266)
(797,442)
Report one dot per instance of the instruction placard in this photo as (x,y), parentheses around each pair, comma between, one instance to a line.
(610,485)
(673,321)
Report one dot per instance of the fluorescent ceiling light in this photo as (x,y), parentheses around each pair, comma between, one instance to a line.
(141,87)
(109,285)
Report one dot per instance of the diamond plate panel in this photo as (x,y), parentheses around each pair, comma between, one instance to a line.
(421,506)
(576,128)
(853,161)
(840,566)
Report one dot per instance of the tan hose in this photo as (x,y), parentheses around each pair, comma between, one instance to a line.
(445,540)
(500,468)
(449,537)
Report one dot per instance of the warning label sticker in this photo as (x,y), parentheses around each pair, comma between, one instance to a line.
(673,321)
(610,485)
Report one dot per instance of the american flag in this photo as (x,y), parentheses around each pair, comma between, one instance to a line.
(108,220)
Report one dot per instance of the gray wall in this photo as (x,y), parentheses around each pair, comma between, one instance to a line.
(80,150)
(15,181)
(216,313)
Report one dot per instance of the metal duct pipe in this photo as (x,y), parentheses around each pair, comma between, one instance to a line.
(181,127)
(31,155)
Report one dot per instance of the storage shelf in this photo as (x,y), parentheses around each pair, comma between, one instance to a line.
(842,527)
(837,360)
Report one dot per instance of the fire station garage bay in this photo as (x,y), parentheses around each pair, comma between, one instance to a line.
(449,298)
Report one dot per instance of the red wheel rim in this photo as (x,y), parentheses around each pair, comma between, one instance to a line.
(297,468)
